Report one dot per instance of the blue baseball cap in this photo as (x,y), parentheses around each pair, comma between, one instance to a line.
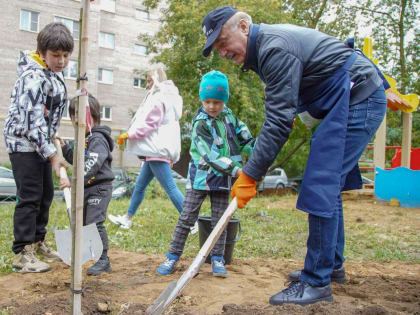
(214,84)
(212,25)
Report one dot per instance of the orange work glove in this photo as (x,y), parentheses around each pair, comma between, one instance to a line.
(244,189)
(122,138)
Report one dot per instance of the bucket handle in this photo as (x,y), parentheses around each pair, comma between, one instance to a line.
(238,237)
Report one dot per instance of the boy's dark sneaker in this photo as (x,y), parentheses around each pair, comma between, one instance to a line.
(301,293)
(168,265)
(27,261)
(100,266)
(47,252)
(338,275)
(218,266)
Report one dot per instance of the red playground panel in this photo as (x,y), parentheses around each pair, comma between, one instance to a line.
(414,159)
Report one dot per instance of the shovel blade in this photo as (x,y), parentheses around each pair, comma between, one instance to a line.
(63,243)
(175,287)
(91,244)
(159,305)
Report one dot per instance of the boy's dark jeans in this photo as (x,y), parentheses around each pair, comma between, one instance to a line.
(95,207)
(35,192)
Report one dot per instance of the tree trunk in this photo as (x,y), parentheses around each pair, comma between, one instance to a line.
(402,50)
(320,12)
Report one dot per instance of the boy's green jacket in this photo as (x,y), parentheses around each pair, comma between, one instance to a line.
(216,148)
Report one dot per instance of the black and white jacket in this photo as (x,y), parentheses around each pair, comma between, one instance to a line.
(37,103)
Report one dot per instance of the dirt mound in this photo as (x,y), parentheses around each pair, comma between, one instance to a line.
(372,288)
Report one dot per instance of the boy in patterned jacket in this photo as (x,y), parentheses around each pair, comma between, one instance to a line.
(37,103)
(218,140)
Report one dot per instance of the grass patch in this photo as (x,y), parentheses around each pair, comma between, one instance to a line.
(271,228)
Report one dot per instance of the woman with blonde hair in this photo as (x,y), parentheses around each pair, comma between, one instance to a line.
(154,135)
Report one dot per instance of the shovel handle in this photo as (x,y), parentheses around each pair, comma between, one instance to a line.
(217,230)
(67,198)
(66,192)
(58,147)
(63,174)
(174,288)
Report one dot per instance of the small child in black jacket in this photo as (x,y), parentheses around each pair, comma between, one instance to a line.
(98,177)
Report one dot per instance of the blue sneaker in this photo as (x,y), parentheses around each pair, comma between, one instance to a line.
(168,265)
(218,266)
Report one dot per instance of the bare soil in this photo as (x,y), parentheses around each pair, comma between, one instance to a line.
(372,288)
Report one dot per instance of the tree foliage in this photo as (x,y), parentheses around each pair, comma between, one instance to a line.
(180,40)
(396,35)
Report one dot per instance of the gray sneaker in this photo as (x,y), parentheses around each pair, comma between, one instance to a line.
(48,254)
(27,261)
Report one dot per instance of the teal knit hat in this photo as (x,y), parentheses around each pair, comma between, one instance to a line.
(214,84)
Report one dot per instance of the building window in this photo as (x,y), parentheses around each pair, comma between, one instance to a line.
(140,49)
(72,25)
(29,20)
(142,14)
(139,83)
(105,76)
(108,5)
(106,113)
(107,40)
(70,72)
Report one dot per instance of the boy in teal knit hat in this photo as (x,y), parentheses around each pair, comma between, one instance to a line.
(217,142)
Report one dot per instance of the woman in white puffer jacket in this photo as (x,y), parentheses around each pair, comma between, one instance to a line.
(155,136)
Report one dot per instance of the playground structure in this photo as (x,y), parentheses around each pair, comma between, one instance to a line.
(414,159)
(398,185)
(396,159)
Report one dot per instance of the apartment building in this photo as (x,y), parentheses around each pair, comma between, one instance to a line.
(117,59)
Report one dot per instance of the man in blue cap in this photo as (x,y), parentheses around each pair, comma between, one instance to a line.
(338,94)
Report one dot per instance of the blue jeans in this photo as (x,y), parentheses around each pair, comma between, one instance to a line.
(162,172)
(325,245)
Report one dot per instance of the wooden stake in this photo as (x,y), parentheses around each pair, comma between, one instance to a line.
(379,146)
(78,167)
(406,139)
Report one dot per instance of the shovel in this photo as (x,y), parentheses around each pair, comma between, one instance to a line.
(175,287)
(91,241)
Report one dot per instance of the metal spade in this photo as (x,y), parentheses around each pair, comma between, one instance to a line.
(175,287)
(91,241)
